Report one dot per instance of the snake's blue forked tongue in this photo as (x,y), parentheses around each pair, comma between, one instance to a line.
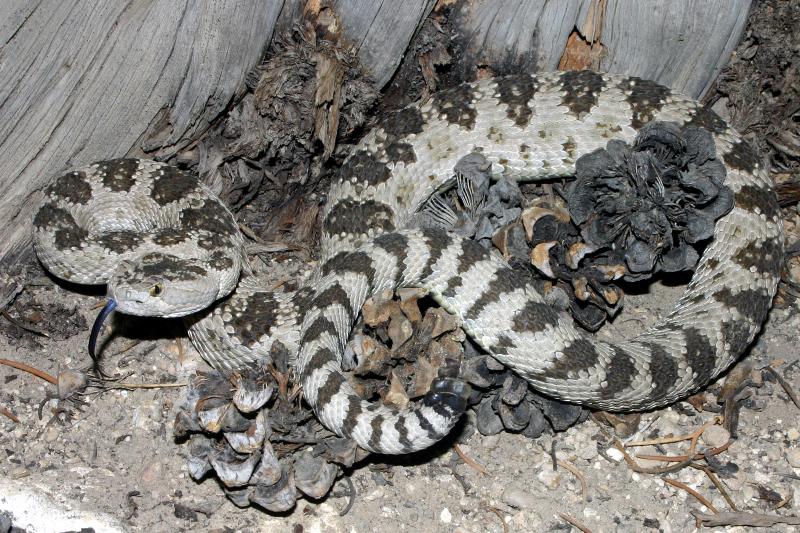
(111,304)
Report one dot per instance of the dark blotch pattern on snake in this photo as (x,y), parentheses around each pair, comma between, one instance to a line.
(529,127)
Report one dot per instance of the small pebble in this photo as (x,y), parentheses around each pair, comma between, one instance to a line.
(615,454)
(734,483)
(549,478)
(793,457)
(748,493)
(19,473)
(490,441)
(773,454)
(519,499)
(151,473)
(793,434)
(51,434)
(445,516)
(715,436)
(376,494)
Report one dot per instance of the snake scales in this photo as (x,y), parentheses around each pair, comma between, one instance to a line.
(166,246)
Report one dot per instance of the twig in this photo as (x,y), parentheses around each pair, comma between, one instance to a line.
(677,438)
(601,450)
(133,344)
(689,457)
(785,385)
(293,440)
(575,522)
(250,234)
(453,463)
(282,450)
(144,385)
(29,369)
(744,519)
(282,379)
(732,400)
(786,499)
(661,440)
(577,473)
(498,513)
(699,497)
(680,458)
(470,461)
(717,483)
(26,327)
(297,391)
(9,414)
(280,283)
(352,496)
(636,467)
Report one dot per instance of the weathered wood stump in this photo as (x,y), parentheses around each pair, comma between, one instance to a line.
(84,80)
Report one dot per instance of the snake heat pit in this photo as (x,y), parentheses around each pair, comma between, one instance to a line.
(166,246)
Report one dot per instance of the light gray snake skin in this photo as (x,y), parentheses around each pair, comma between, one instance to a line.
(529,127)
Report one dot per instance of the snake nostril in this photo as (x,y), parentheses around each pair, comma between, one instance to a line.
(132,296)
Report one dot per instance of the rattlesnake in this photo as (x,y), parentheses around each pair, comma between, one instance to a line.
(528,127)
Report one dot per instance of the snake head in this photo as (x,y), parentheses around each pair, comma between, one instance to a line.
(164,285)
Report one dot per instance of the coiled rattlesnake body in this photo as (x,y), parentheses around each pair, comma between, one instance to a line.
(528,127)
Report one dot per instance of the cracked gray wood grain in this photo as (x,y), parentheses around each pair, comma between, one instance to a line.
(84,80)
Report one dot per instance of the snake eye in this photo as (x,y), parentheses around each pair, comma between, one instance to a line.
(156,289)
